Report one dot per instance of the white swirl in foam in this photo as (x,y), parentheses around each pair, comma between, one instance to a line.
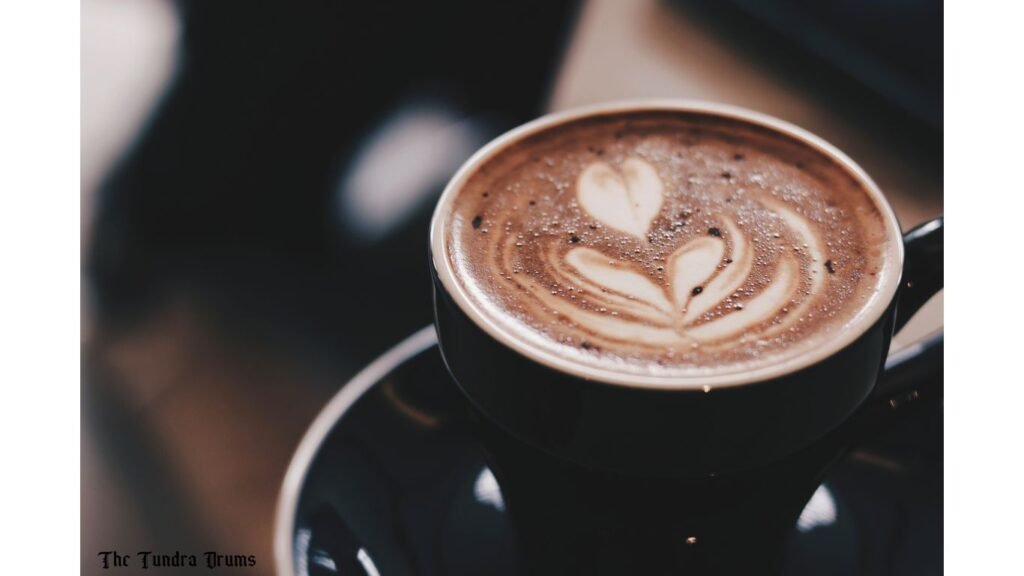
(703,274)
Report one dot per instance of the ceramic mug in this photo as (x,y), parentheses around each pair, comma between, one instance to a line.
(612,473)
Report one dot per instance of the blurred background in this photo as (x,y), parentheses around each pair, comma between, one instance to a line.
(257,180)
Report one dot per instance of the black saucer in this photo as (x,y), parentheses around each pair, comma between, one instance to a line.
(389,481)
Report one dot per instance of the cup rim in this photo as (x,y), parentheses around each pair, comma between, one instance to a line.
(880,300)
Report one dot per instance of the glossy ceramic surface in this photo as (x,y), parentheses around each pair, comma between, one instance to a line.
(389,480)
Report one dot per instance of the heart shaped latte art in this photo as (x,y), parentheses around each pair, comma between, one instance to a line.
(699,303)
(627,201)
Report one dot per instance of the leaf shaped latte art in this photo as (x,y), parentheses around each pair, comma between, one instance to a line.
(697,303)
(638,311)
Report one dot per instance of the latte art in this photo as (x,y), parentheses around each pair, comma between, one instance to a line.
(660,245)
(700,276)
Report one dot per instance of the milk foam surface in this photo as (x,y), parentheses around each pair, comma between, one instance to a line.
(667,243)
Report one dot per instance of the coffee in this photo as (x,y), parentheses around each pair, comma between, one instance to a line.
(667,243)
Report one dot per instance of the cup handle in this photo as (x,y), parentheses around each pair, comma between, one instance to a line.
(916,371)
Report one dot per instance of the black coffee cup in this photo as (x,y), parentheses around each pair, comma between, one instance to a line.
(613,474)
